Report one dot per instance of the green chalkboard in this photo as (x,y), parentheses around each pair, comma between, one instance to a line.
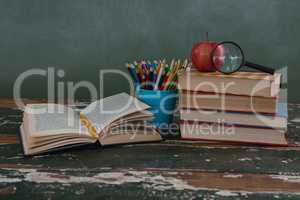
(82,37)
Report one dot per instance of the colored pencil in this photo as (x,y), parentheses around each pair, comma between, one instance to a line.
(132,72)
(157,75)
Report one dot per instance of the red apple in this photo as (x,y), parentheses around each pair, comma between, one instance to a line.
(201,55)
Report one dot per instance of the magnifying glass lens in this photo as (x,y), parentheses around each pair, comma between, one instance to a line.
(227,57)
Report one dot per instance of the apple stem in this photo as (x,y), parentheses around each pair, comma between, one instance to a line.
(206,36)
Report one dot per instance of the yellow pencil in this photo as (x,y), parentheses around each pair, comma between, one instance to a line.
(173,73)
(172,64)
(159,74)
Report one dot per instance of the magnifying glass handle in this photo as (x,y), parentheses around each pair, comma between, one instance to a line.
(260,67)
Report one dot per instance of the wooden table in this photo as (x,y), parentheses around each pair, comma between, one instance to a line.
(172,169)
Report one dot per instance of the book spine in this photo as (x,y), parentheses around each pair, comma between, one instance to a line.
(230,125)
(234,86)
(228,103)
(193,92)
(234,142)
(228,111)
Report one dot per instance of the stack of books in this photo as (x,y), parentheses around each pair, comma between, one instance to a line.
(239,108)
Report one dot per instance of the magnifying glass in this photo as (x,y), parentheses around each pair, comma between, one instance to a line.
(228,57)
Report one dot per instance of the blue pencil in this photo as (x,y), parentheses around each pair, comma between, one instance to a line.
(133,73)
(152,77)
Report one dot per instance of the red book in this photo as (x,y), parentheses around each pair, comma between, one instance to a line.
(239,83)
(231,133)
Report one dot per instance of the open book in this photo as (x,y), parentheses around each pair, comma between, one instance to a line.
(118,119)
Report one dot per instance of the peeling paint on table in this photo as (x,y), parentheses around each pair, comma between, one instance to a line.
(172,169)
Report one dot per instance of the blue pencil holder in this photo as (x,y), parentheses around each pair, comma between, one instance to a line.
(162,102)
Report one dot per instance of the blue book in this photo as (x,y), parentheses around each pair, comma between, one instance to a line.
(282,110)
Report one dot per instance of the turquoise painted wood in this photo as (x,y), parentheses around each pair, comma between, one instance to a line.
(172,169)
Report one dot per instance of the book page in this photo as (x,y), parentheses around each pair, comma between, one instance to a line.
(52,119)
(103,112)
